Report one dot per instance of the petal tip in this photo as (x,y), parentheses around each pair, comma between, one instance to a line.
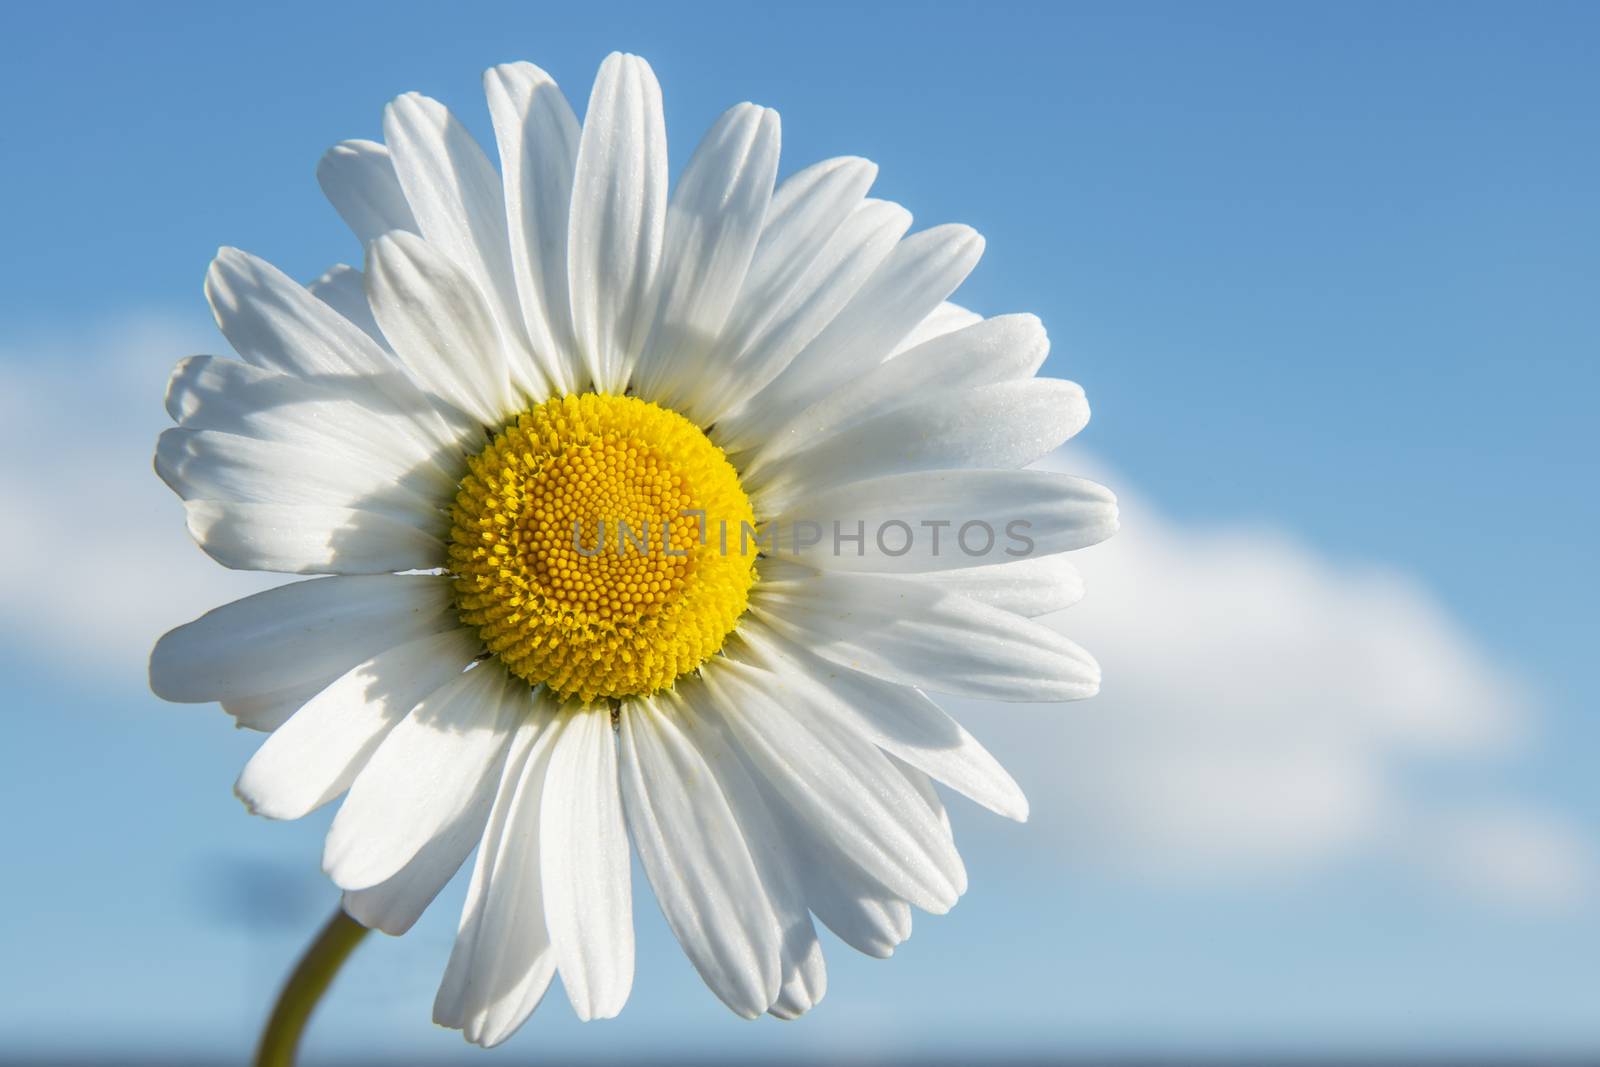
(156,668)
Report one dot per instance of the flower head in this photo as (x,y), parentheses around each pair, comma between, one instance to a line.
(641,516)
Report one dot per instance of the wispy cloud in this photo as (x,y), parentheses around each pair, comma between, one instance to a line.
(100,562)
(1267,710)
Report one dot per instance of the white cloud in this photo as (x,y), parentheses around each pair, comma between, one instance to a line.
(99,562)
(1261,709)
(1505,852)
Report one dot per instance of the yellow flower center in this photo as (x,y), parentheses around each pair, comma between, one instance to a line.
(587,546)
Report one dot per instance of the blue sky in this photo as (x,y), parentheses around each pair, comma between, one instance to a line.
(1328,275)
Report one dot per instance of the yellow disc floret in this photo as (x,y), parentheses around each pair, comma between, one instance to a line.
(588,547)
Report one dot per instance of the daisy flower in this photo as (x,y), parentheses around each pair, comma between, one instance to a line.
(638,517)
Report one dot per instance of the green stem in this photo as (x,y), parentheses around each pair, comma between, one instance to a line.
(311,978)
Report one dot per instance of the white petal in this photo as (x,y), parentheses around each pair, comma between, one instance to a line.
(583,854)
(359,181)
(208,465)
(807,209)
(696,858)
(861,913)
(437,763)
(920,272)
(1000,349)
(459,203)
(275,323)
(538,138)
(855,906)
(852,904)
(619,208)
(713,223)
(946,318)
(343,289)
(502,963)
(209,393)
(896,718)
(309,539)
(924,786)
(956,519)
(850,257)
(316,755)
(296,633)
(998,426)
(396,903)
(268,711)
(1038,585)
(440,327)
(803,973)
(844,788)
(916,635)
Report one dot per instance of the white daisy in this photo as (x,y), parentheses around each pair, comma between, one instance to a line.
(530,353)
